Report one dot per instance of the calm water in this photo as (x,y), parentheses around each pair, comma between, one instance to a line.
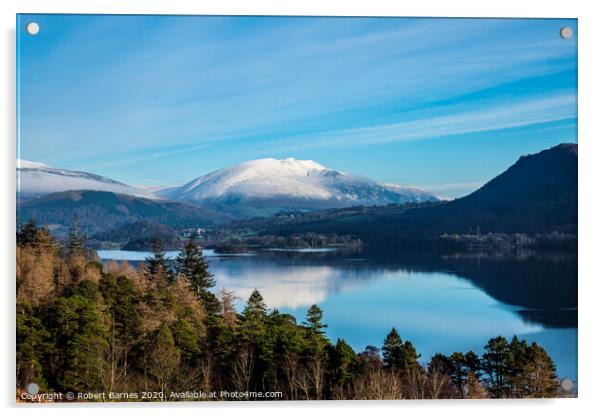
(441,305)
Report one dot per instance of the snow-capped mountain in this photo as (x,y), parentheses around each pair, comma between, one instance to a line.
(413,193)
(289,184)
(36,179)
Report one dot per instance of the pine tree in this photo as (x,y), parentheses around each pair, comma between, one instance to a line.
(32,343)
(76,241)
(540,373)
(80,336)
(255,307)
(344,362)
(28,233)
(459,371)
(473,364)
(393,354)
(313,320)
(516,361)
(314,353)
(399,355)
(253,329)
(495,365)
(157,267)
(254,347)
(121,332)
(163,358)
(411,357)
(191,264)
(440,363)
(186,340)
(516,369)
(124,324)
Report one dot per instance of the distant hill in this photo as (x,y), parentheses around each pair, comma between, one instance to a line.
(36,179)
(98,211)
(267,186)
(537,194)
(138,235)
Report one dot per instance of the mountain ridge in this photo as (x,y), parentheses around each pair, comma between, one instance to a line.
(289,184)
(98,211)
(37,179)
(537,194)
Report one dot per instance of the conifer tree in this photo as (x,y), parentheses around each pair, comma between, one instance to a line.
(76,241)
(253,346)
(344,362)
(121,332)
(399,355)
(315,352)
(495,365)
(459,372)
(80,336)
(393,355)
(38,237)
(28,233)
(440,363)
(473,364)
(124,324)
(163,358)
(255,307)
(254,319)
(516,361)
(157,267)
(411,357)
(313,320)
(32,344)
(540,373)
(191,264)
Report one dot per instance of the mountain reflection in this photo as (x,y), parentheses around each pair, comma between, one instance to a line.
(442,304)
(538,290)
(283,286)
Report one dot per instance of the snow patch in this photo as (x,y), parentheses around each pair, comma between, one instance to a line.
(34,179)
(290,179)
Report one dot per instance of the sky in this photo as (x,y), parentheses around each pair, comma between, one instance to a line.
(443,104)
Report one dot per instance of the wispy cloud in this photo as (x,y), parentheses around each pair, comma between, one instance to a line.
(453,190)
(148,154)
(509,115)
(129,95)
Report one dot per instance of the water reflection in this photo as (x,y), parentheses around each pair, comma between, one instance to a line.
(290,287)
(440,304)
(540,290)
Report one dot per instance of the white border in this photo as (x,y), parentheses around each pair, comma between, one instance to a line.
(590,211)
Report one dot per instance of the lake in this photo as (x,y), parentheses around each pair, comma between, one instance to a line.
(440,304)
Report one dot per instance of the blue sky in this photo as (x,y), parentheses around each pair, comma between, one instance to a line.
(445,104)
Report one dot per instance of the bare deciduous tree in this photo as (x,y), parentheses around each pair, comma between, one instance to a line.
(242,368)
(378,384)
(227,299)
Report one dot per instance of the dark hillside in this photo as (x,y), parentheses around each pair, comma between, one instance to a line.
(538,194)
(98,211)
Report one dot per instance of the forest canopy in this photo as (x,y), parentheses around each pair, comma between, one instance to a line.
(84,326)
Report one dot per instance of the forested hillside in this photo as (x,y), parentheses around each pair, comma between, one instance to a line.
(99,211)
(536,197)
(85,327)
